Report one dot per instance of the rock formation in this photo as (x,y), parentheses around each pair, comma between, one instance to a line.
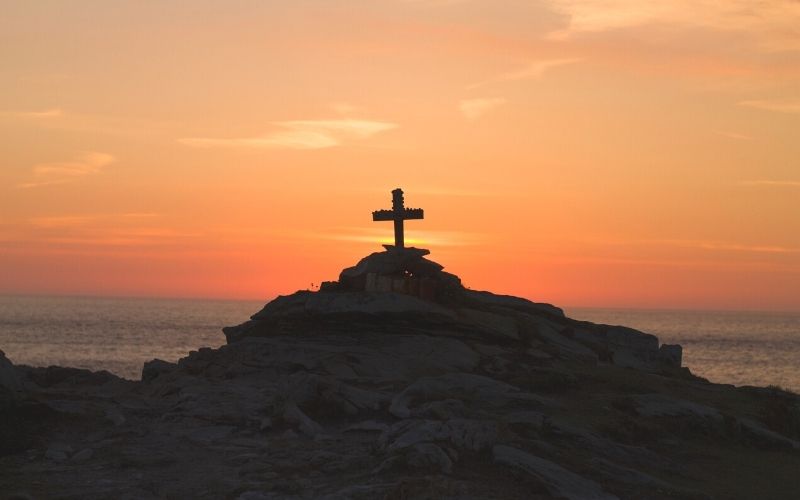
(395,381)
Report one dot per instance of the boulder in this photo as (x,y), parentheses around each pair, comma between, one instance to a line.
(392,262)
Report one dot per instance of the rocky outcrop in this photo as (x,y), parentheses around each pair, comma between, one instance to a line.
(451,311)
(350,393)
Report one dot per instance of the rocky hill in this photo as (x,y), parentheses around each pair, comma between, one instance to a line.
(397,382)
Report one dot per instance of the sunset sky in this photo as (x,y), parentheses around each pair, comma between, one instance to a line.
(579,152)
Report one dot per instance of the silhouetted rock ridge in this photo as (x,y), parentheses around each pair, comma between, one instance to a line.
(395,382)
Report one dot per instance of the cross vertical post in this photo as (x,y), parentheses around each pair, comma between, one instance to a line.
(398,209)
(398,214)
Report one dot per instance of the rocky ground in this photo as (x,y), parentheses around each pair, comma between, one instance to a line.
(353,394)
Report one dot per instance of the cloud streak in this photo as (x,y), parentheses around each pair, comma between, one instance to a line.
(82,220)
(766,182)
(773,105)
(299,134)
(472,109)
(531,71)
(89,163)
(773,23)
(47,113)
(733,135)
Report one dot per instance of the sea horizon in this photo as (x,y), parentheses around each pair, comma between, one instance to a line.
(119,334)
(266,299)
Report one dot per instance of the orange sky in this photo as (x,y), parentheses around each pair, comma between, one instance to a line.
(578,152)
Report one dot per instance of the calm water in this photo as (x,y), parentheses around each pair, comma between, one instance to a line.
(114,334)
(742,348)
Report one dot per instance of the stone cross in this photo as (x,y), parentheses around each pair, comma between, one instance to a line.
(398,214)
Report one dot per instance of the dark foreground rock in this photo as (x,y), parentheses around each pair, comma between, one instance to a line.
(350,393)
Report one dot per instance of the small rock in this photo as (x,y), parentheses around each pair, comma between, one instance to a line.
(304,423)
(83,455)
(367,425)
(58,452)
(427,455)
(116,417)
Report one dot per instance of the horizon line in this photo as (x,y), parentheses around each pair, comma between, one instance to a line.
(269,298)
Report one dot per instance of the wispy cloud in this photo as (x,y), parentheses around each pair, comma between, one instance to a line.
(47,113)
(88,163)
(473,109)
(773,23)
(767,182)
(727,246)
(531,71)
(733,135)
(85,219)
(714,245)
(710,245)
(781,106)
(300,134)
(345,108)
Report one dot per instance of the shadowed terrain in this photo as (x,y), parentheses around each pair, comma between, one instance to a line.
(397,382)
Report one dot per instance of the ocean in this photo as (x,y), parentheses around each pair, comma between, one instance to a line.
(120,334)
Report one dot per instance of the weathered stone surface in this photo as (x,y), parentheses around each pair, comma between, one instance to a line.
(502,326)
(670,354)
(10,385)
(428,455)
(623,346)
(488,299)
(764,437)
(657,405)
(467,434)
(317,303)
(83,455)
(562,346)
(344,394)
(559,482)
(390,262)
(472,389)
(306,425)
(156,367)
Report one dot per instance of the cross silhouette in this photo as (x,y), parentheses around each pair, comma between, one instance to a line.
(398,214)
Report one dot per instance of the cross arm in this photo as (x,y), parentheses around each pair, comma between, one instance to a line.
(406,214)
(413,213)
(383,215)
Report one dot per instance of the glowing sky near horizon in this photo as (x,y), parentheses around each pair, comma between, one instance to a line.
(578,152)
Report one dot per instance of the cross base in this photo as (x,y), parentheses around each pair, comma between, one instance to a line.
(407,250)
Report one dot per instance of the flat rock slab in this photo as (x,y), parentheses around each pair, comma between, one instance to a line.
(349,302)
(559,482)
(657,405)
